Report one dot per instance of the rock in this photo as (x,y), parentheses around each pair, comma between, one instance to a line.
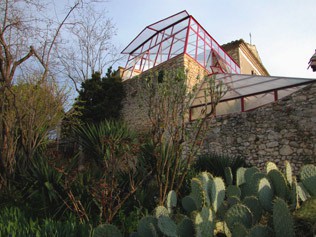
(272,144)
(286,150)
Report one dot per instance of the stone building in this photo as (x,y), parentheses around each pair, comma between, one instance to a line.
(260,117)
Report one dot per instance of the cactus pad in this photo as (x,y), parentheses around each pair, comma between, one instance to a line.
(232,200)
(171,201)
(260,231)
(239,230)
(161,211)
(265,194)
(167,226)
(288,172)
(228,175)
(204,222)
(107,230)
(279,183)
(147,227)
(307,171)
(271,166)
(217,192)
(188,204)
(282,219)
(308,178)
(240,176)
(307,212)
(197,193)
(205,179)
(185,228)
(302,192)
(249,173)
(233,190)
(238,213)
(254,205)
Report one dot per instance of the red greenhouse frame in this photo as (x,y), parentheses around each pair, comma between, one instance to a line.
(173,36)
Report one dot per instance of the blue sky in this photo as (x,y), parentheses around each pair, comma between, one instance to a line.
(284,31)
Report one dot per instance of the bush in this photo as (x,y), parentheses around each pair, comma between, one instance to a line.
(216,163)
(14,222)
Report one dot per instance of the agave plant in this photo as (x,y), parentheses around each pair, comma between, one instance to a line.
(216,164)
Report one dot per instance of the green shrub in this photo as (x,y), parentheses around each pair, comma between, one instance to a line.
(216,164)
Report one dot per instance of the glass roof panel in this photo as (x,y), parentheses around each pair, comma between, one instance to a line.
(243,85)
(152,29)
(168,21)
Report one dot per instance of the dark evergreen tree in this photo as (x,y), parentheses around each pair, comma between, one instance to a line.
(100,98)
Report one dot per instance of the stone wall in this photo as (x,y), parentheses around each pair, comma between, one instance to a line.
(134,111)
(280,131)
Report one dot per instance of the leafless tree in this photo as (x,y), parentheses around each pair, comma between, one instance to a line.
(27,40)
(91,47)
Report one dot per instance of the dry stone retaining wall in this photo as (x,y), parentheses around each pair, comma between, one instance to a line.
(280,131)
(134,112)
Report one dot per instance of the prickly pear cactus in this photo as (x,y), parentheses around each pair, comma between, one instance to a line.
(188,204)
(288,172)
(302,192)
(161,211)
(217,192)
(185,228)
(221,229)
(107,230)
(265,194)
(233,190)
(147,227)
(279,184)
(204,222)
(308,178)
(271,166)
(250,188)
(260,231)
(239,230)
(228,175)
(240,176)
(206,178)
(253,204)
(167,226)
(307,171)
(293,198)
(197,193)
(238,213)
(171,201)
(308,211)
(282,219)
(232,200)
(249,174)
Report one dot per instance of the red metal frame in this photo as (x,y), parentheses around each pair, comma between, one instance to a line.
(242,98)
(154,50)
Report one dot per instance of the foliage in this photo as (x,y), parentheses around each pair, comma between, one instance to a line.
(31,109)
(216,164)
(166,97)
(26,49)
(14,222)
(42,188)
(208,214)
(118,170)
(100,98)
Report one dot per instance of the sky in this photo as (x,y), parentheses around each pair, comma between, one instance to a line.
(284,31)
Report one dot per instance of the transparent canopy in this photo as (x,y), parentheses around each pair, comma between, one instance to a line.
(246,92)
(182,34)
(170,37)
